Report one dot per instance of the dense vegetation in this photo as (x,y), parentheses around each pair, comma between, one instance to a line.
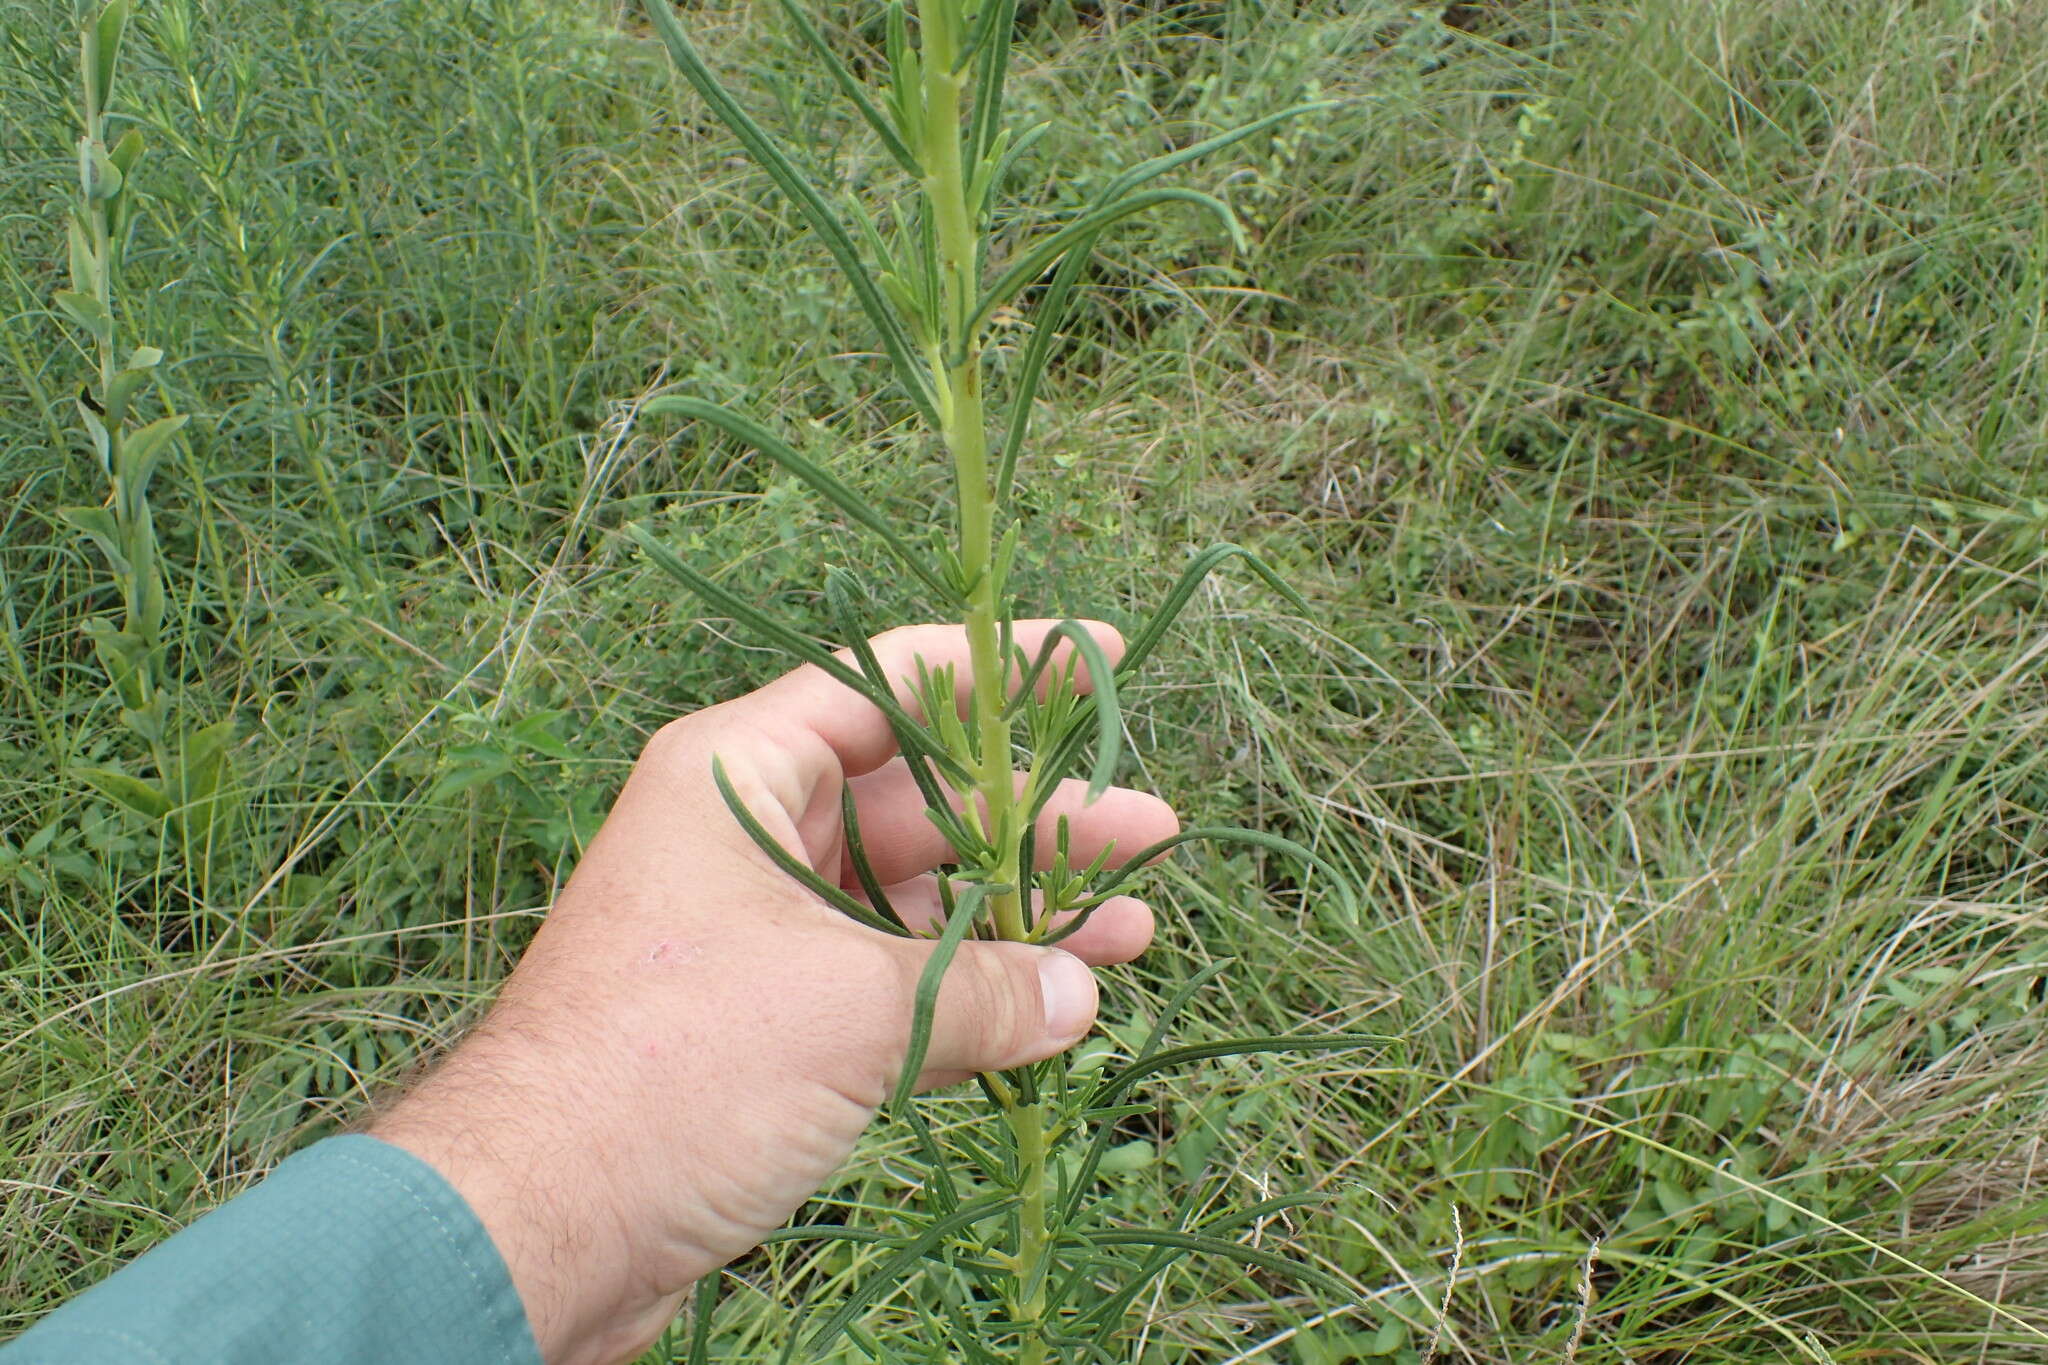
(1648,395)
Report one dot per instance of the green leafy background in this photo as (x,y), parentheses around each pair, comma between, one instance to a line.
(1646,396)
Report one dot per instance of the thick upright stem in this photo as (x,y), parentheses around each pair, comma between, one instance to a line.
(956,365)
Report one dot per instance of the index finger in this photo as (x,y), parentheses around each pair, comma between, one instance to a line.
(854,728)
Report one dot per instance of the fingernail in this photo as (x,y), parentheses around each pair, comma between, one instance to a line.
(1067,988)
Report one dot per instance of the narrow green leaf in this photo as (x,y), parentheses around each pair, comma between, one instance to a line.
(743,428)
(771,158)
(892,1273)
(1203,564)
(702,1305)
(1177,1002)
(928,982)
(1093,223)
(1109,1312)
(1225,834)
(132,792)
(85,266)
(87,311)
(1234,1251)
(906,77)
(141,451)
(1109,724)
(797,646)
(1157,166)
(1045,325)
(857,854)
(993,39)
(107,35)
(1111,1087)
(945,1194)
(844,596)
(841,1232)
(1007,157)
(850,86)
(145,358)
(796,867)
(1105,1130)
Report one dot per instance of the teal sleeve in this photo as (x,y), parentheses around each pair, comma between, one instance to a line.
(352,1251)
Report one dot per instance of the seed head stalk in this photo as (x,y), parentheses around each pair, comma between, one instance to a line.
(955,357)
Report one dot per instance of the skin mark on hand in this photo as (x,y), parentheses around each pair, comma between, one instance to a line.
(669,951)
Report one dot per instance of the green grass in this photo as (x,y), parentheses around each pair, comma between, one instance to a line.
(1648,394)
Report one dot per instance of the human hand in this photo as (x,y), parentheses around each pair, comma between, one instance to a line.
(693,1042)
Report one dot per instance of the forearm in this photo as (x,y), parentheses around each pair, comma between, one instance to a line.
(353,1250)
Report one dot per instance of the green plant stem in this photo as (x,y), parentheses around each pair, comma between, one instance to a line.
(956,370)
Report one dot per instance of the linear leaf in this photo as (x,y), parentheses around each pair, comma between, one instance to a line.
(1178,1245)
(850,85)
(994,36)
(795,866)
(704,1303)
(1109,723)
(1195,1243)
(844,595)
(1111,1087)
(891,1273)
(790,642)
(744,428)
(841,1232)
(1176,599)
(1105,1127)
(857,854)
(928,982)
(1090,224)
(1154,167)
(1223,834)
(771,158)
(113,22)
(1109,1311)
(1045,324)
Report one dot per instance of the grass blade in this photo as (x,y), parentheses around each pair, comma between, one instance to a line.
(816,212)
(703,1303)
(744,428)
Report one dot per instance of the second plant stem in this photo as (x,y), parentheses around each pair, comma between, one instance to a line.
(956,370)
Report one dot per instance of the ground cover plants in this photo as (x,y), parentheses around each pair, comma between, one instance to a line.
(1644,397)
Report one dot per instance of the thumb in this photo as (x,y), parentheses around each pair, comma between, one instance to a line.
(1004,1004)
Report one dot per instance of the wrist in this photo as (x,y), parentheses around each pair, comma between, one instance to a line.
(537,1172)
